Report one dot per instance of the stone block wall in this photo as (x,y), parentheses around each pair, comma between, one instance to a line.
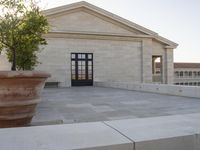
(113,60)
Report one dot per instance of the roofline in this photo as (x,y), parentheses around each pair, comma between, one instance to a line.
(108,14)
(188,65)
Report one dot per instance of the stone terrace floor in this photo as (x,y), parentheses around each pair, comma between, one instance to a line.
(90,104)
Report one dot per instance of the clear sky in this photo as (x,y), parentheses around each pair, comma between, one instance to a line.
(177,20)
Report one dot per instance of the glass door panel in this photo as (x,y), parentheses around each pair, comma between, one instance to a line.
(82,69)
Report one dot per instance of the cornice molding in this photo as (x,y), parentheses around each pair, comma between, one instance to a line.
(95,36)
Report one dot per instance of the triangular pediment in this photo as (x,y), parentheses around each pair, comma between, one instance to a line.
(85,17)
(85,20)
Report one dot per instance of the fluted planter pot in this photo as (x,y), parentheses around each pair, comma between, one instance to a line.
(19,95)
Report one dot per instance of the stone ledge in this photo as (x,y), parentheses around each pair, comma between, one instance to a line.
(84,136)
(178,132)
(186,91)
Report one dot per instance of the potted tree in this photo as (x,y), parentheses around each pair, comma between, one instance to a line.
(21,28)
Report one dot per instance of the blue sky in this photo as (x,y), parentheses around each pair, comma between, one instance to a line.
(177,20)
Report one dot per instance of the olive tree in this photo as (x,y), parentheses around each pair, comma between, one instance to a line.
(21,28)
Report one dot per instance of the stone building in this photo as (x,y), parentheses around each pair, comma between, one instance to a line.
(187,74)
(87,43)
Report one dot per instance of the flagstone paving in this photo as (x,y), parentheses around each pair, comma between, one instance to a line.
(91,104)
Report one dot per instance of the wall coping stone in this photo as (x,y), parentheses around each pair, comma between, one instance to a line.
(168,89)
(178,132)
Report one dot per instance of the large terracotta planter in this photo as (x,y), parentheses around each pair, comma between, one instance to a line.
(19,94)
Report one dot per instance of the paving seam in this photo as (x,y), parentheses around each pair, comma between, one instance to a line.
(120,133)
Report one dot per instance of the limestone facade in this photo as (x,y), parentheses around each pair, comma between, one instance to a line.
(122,50)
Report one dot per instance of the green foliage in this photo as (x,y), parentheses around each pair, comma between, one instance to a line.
(21,28)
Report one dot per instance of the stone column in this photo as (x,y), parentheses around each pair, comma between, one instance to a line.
(169,65)
(146,60)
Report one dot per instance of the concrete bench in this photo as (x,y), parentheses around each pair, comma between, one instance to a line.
(51,84)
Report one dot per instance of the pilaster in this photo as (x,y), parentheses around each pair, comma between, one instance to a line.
(147,60)
(169,63)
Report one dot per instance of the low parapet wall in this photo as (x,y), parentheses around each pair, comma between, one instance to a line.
(187,91)
(180,132)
